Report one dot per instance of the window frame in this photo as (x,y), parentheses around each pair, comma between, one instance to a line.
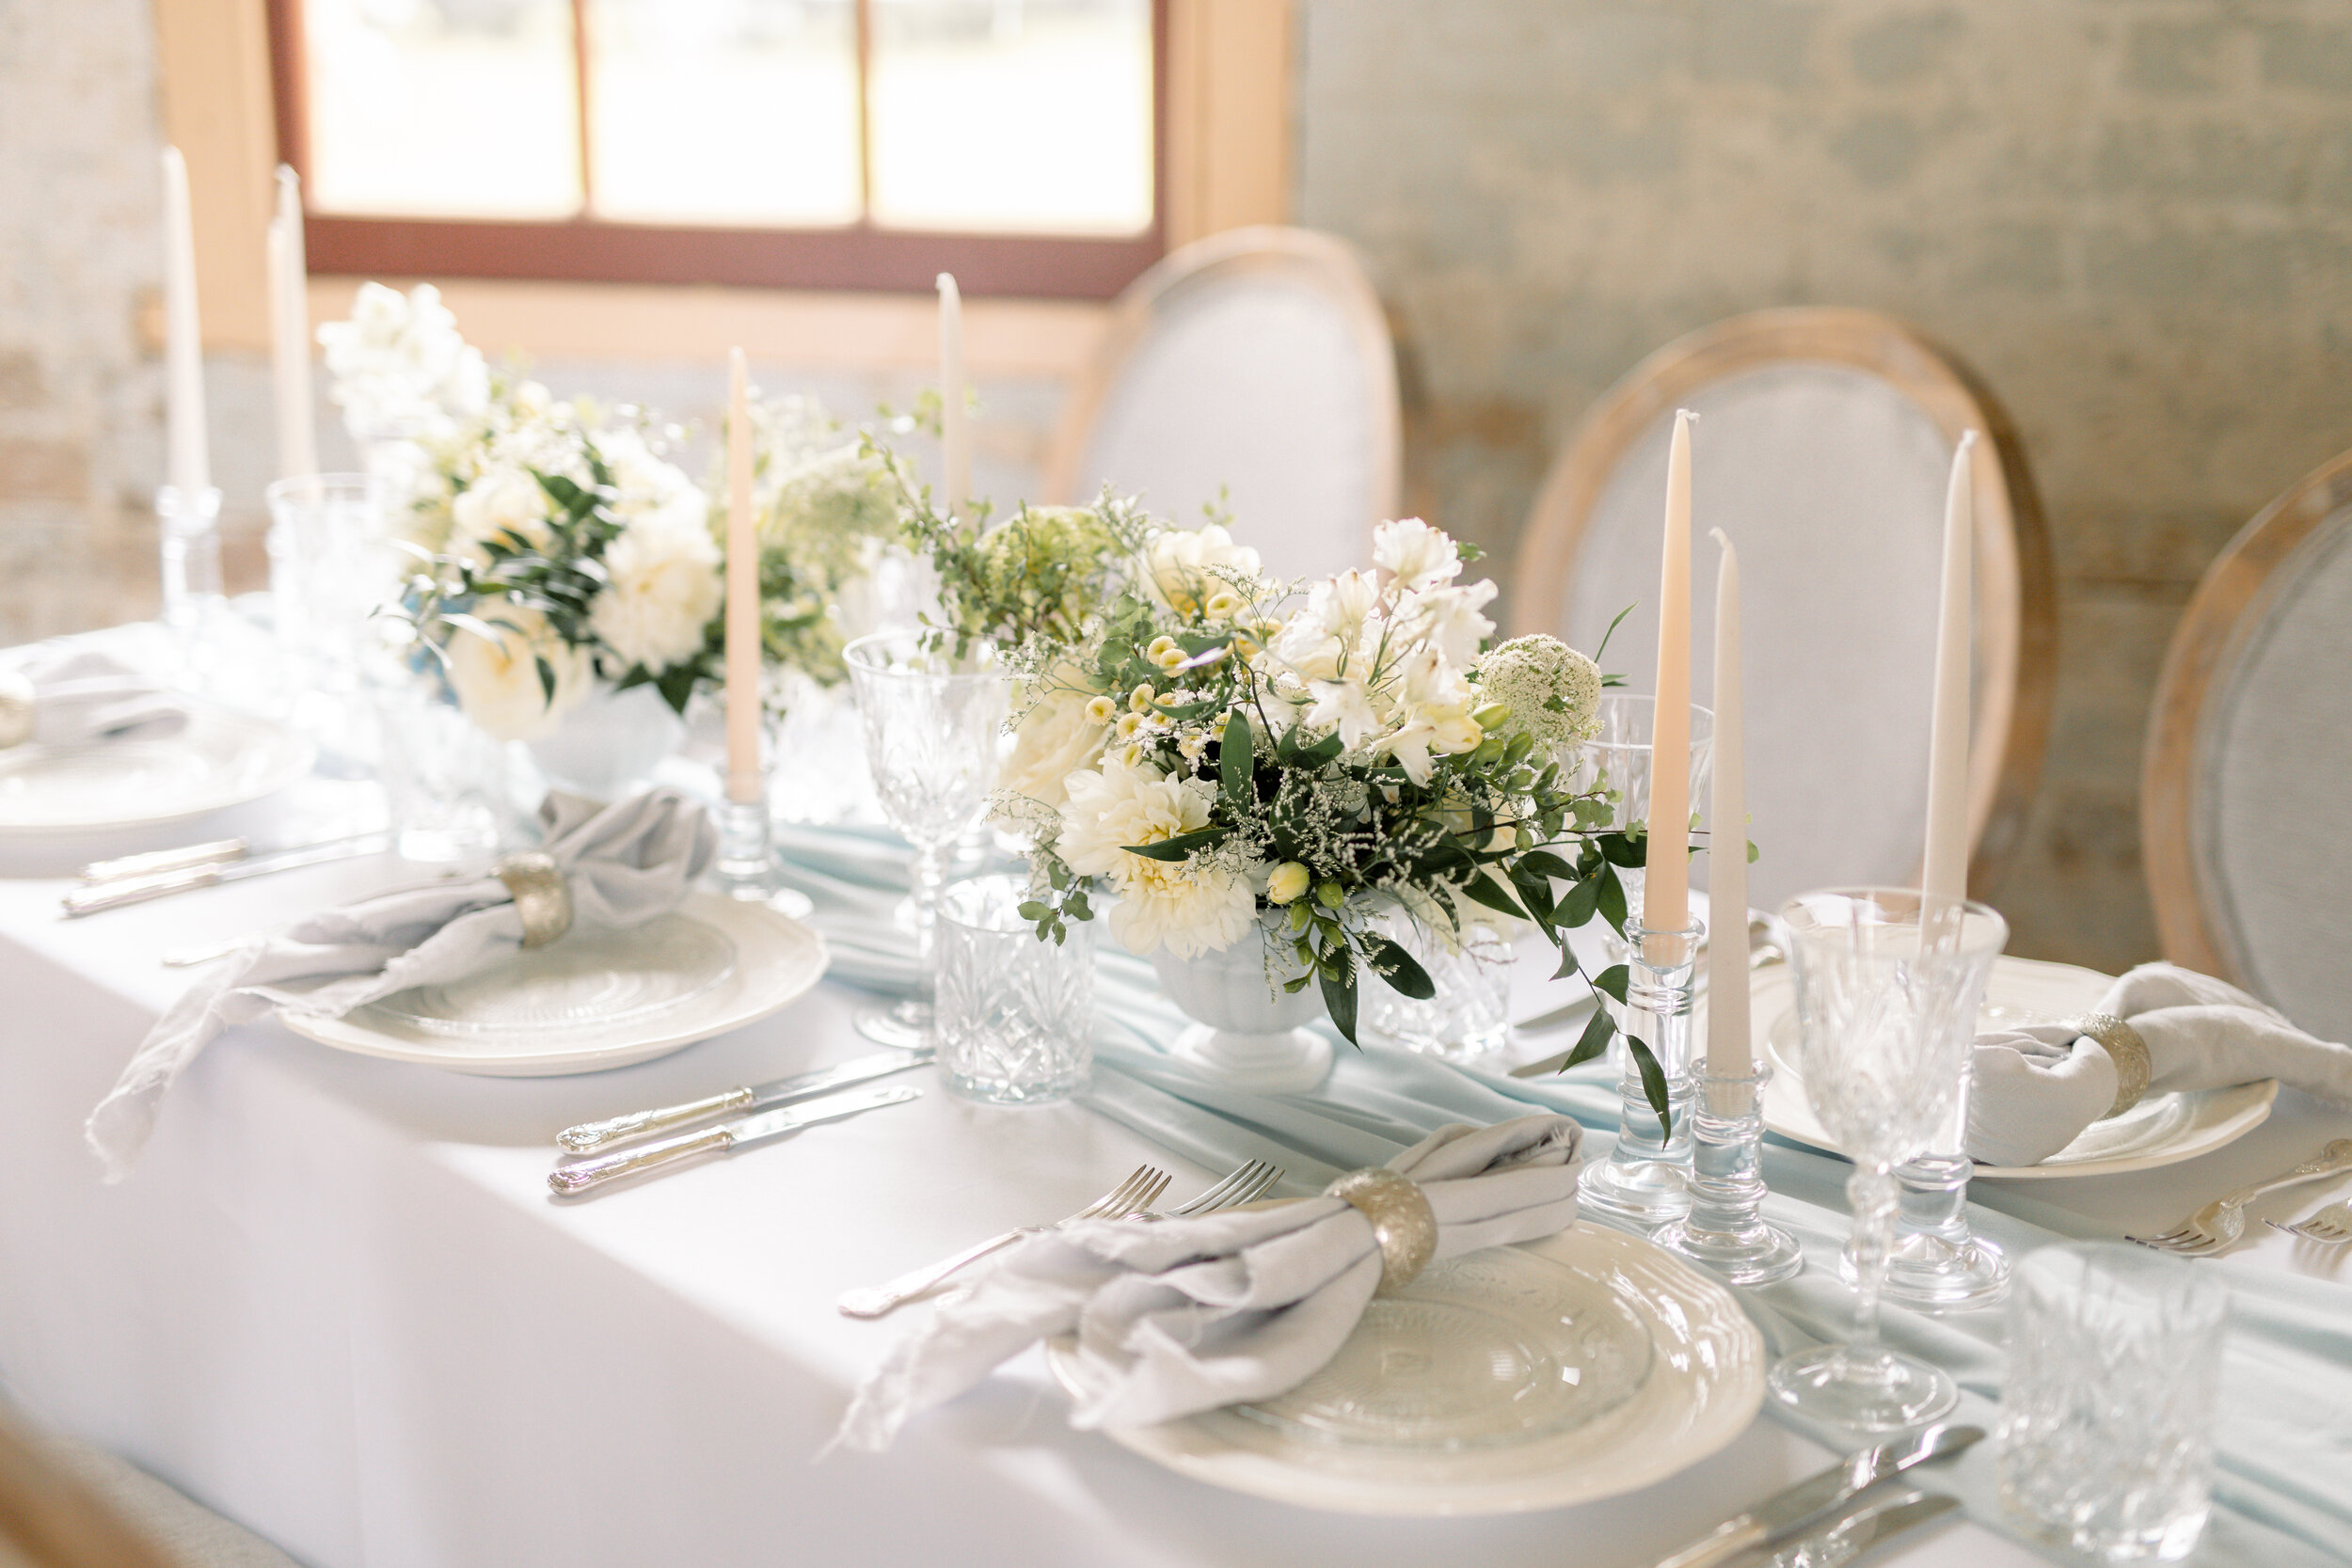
(862,257)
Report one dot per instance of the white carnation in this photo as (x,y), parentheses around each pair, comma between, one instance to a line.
(498,683)
(1199,905)
(665,587)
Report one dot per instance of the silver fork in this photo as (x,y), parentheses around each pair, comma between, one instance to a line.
(2220,1223)
(2331,1226)
(1241,1184)
(1143,1186)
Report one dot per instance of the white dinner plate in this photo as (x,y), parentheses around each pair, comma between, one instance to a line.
(773,959)
(220,759)
(2161,1129)
(1702,1384)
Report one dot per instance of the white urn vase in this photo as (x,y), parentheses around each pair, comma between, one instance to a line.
(1248,1031)
(609,742)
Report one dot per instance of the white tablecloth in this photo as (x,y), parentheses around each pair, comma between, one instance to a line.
(337,1303)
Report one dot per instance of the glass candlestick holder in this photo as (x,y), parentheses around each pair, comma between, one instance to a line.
(190,522)
(1645,1181)
(1725,1228)
(1937,1263)
(746,865)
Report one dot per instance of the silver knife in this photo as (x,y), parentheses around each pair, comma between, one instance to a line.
(570,1181)
(219,851)
(1798,1508)
(588,1136)
(1845,1539)
(137,890)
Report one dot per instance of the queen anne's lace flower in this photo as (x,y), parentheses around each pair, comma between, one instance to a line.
(1553,691)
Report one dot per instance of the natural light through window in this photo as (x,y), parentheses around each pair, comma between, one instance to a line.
(966,116)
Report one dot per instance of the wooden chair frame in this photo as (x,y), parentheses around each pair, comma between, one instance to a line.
(1330,265)
(2224,612)
(2016,632)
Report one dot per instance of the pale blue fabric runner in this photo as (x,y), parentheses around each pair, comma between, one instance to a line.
(2284,1494)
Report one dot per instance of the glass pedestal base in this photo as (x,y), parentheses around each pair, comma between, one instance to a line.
(1756,1257)
(1929,1273)
(907,1026)
(1863,1390)
(1637,1196)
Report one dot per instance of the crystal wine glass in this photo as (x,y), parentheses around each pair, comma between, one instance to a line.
(1887,985)
(1617,759)
(931,723)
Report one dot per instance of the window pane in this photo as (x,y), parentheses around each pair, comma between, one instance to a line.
(724,111)
(1023,115)
(447,109)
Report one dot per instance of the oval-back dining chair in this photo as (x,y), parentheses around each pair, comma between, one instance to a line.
(2246,785)
(1823,448)
(1255,363)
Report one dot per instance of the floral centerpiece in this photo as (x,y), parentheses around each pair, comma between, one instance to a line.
(559,549)
(1221,758)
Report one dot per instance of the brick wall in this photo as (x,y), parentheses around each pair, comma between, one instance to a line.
(2133,218)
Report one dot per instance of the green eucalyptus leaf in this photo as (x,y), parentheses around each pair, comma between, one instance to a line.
(1567,962)
(1402,971)
(1611,900)
(1577,908)
(1485,890)
(1594,1040)
(1614,980)
(1653,1083)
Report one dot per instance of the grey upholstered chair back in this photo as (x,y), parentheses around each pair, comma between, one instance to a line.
(2246,804)
(1255,364)
(1824,448)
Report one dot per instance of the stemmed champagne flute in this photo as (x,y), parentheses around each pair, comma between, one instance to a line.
(933,723)
(1887,985)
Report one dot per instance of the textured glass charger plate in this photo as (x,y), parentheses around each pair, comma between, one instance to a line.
(596,998)
(2161,1129)
(1582,1366)
(219,759)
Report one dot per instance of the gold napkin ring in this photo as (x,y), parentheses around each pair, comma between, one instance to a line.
(541,897)
(16,709)
(2129,1053)
(1402,1221)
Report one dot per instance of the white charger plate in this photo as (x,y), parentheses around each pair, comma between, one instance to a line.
(220,759)
(2161,1129)
(1705,1384)
(776,959)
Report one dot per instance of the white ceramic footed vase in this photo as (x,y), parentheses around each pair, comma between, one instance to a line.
(1248,1031)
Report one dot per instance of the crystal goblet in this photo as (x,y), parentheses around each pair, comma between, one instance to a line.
(1617,759)
(1887,983)
(931,723)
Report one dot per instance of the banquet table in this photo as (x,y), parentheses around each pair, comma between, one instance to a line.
(337,1303)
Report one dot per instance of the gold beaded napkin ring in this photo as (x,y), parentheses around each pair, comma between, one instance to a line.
(1402,1221)
(2129,1053)
(541,897)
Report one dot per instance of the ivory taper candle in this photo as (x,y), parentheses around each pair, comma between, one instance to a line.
(955,425)
(1729,1052)
(1666,879)
(290,331)
(189,465)
(744,785)
(1945,871)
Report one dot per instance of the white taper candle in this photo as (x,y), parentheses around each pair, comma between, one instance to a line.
(1945,871)
(189,465)
(290,332)
(1666,879)
(1729,1053)
(955,425)
(744,785)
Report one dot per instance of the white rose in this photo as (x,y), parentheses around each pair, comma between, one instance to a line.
(1057,737)
(498,683)
(506,504)
(665,587)
(1189,567)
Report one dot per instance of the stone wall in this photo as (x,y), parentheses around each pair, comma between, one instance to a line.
(2132,218)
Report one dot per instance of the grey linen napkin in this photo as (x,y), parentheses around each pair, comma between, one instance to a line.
(624,863)
(82,695)
(2036,1088)
(1180,1316)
